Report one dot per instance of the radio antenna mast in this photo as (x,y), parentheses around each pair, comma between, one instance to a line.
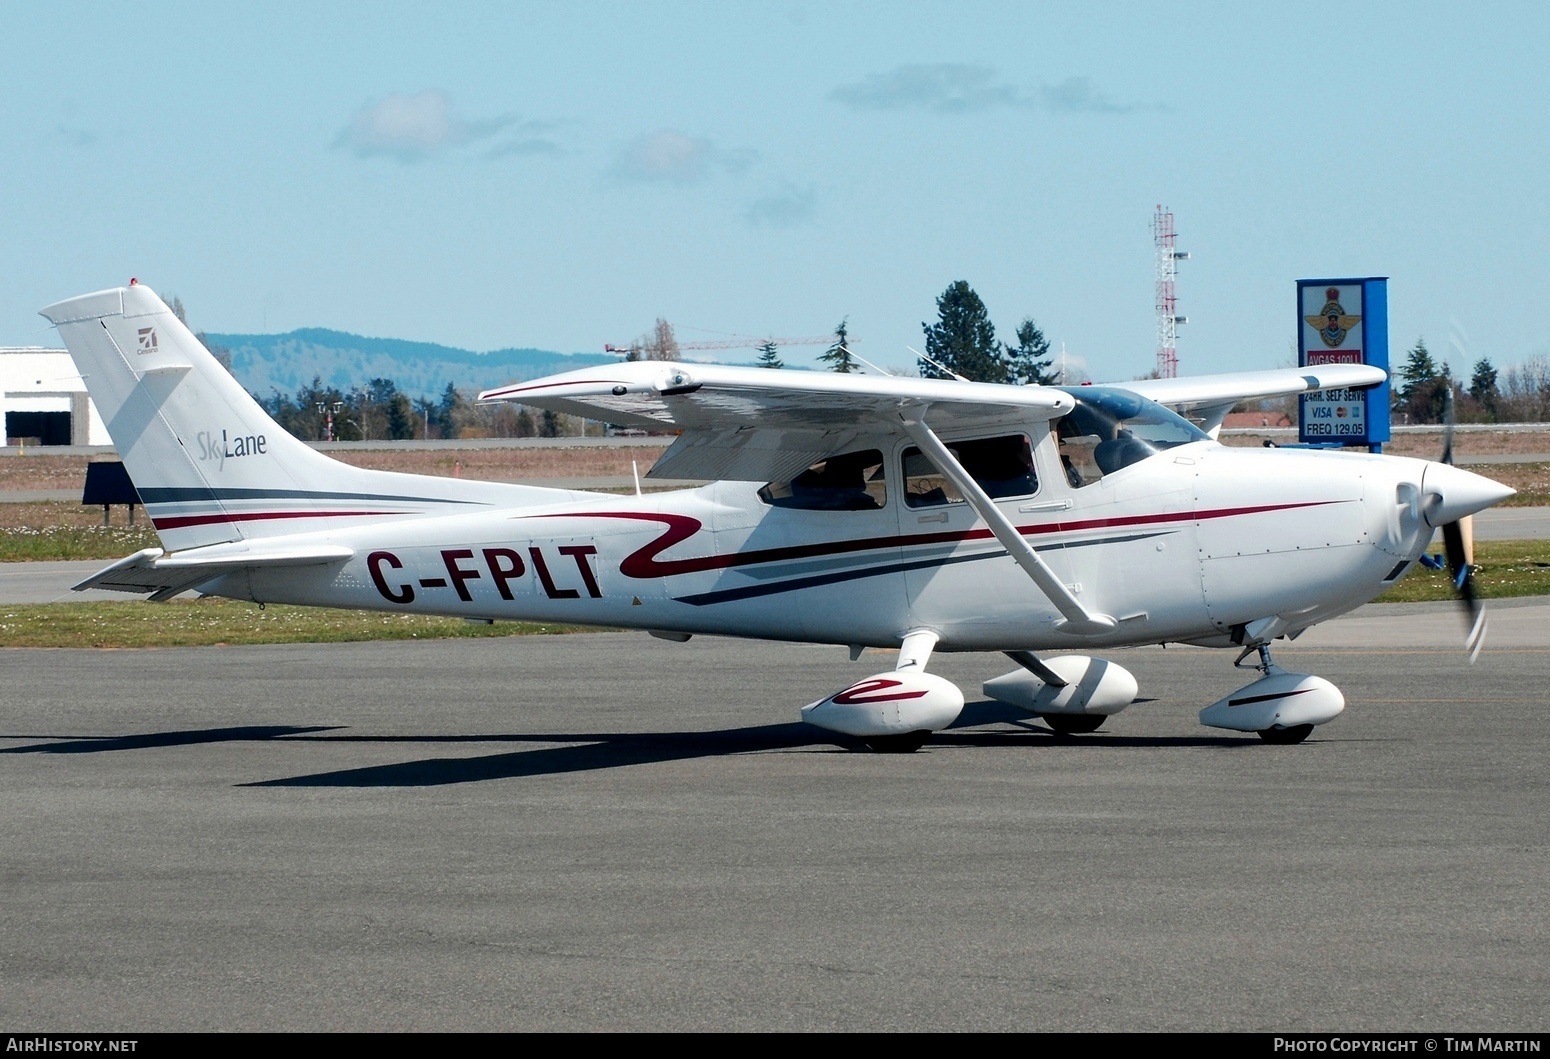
(1168,319)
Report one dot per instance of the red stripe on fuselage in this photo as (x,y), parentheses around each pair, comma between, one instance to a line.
(643,563)
(182,521)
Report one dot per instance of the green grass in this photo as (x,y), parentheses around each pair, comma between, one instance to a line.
(1531,480)
(210,621)
(1502,569)
(73,542)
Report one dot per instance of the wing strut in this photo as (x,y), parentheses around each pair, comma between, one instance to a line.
(1079,620)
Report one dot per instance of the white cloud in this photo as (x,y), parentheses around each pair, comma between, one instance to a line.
(411,128)
(963,88)
(675,157)
(786,208)
(522,144)
(948,88)
(1077,95)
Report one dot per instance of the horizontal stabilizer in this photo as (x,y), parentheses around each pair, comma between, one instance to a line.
(163,576)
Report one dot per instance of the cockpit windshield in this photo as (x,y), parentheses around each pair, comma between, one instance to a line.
(1112,428)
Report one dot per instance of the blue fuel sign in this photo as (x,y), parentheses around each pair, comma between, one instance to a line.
(1344,321)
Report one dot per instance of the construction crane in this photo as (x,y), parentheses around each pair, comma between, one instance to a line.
(735,343)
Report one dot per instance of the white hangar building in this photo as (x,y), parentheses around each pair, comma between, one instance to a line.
(43,399)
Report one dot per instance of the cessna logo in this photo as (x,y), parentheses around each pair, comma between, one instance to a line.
(147,337)
(222,447)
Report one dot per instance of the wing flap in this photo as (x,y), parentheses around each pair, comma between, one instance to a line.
(747,454)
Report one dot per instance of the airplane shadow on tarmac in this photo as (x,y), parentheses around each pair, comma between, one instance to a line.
(599,750)
(101,744)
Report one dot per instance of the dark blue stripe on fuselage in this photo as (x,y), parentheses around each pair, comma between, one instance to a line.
(727,595)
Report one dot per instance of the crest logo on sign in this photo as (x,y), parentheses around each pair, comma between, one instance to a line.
(1333,323)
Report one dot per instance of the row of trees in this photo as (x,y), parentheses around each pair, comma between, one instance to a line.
(961,343)
(381,411)
(1521,394)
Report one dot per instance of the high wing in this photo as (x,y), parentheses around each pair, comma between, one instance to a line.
(1210,397)
(755,424)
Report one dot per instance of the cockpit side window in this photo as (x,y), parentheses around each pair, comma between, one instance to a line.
(851,481)
(1110,429)
(1003,467)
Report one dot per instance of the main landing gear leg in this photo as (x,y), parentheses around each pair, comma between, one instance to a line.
(914,653)
(896,712)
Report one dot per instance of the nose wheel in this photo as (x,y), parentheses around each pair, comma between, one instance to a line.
(1073,723)
(1281,708)
(1290,735)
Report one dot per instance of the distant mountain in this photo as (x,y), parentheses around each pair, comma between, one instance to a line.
(263,363)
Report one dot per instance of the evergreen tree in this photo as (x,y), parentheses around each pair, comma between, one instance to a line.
(1028,362)
(1482,387)
(963,340)
(446,418)
(768,358)
(373,406)
(1423,397)
(1419,368)
(400,418)
(838,354)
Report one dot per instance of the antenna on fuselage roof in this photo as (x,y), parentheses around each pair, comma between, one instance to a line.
(869,364)
(635,467)
(939,367)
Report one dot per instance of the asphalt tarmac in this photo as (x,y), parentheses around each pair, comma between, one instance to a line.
(610,832)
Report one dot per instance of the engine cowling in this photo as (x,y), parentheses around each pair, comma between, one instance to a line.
(1094,686)
(1277,700)
(888,704)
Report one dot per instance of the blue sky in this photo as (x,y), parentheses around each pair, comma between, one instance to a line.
(561,174)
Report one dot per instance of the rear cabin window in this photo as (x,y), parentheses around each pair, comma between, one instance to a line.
(1002,466)
(851,481)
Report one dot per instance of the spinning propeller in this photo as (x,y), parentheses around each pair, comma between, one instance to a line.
(1458,543)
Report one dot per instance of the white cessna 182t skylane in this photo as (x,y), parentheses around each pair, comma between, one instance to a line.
(861,510)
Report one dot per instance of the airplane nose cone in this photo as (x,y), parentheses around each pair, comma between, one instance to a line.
(1451,493)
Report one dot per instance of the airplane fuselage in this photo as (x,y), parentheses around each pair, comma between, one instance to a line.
(1187,545)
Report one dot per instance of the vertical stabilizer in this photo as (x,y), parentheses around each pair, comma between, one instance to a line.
(210,465)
